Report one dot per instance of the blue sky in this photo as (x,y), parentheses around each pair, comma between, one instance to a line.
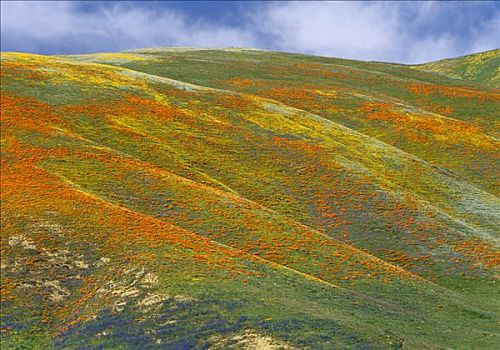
(407,32)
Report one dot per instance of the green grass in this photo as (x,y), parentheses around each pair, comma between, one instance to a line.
(481,67)
(188,198)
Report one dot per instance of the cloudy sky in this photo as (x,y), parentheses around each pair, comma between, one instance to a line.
(407,32)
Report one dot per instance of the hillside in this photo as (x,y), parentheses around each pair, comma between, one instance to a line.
(482,67)
(178,199)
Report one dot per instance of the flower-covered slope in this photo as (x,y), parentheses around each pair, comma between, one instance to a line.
(176,203)
(446,122)
(482,67)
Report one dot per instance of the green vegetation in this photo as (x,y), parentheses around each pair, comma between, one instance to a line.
(194,199)
(483,67)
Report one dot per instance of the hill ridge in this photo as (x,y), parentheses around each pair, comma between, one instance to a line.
(481,67)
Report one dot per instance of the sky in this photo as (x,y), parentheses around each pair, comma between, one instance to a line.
(404,32)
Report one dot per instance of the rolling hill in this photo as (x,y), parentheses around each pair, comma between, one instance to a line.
(482,67)
(192,199)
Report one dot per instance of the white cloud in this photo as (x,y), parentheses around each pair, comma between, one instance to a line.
(387,31)
(487,35)
(353,29)
(61,26)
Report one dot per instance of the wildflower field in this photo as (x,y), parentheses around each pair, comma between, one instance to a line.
(212,199)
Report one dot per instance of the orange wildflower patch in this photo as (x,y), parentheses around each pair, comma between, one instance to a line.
(429,123)
(26,113)
(452,92)
(380,111)
(443,110)
(232,102)
(130,105)
(479,252)
(162,111)
(297,144)
(240,83)
(20,70)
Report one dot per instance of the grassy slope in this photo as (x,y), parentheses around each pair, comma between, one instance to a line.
(421,113)
(482,67)
(192,215)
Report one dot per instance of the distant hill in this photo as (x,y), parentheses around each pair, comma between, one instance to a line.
(212,199)
(481,67)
